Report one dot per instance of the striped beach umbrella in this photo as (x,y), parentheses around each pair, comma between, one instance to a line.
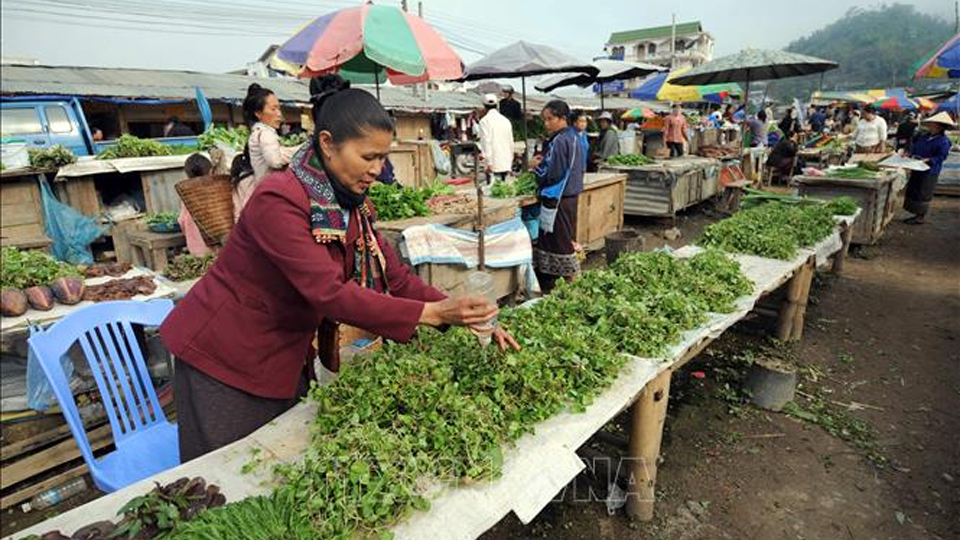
(370,44)
(944,64)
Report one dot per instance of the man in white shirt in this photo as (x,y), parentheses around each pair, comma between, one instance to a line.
(496,140)
(871,133)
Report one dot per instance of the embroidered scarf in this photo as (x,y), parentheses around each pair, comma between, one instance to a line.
(329,220)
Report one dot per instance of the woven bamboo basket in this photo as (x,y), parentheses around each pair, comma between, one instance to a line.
(209,199)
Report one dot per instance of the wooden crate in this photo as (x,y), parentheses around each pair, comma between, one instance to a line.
(879,199)
(22,223)
(600,210)
(413,163)
(668,186)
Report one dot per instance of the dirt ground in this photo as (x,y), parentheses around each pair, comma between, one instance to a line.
(879,369)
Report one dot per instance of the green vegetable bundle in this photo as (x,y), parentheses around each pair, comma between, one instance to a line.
(295,140)
(29,268)
(395,202)
(129,146)
(441,408)
(163,218)
(51,158)
(862,171)
(185,266)
(524,185)
(235,138)
(843,206)
(775,229)
(629,160)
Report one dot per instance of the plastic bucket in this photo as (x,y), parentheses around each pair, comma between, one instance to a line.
(621,242)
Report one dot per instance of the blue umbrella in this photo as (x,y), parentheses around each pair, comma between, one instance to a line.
(950,105)
(205,113)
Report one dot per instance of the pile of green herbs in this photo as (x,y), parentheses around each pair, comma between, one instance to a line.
(22,269)
(235,138)
(439,409)
(629,160)
(525,185)
(395,202)
(186,266)
(130,146)
(51,158)
(774,229)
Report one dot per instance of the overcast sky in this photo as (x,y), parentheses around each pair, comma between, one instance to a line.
(210,35)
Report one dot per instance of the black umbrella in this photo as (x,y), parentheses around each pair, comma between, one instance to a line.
(754,65)
(523,59)
(610,70)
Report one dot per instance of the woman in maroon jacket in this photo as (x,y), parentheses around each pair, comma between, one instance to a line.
(303,256)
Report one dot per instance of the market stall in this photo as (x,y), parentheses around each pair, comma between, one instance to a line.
(879,197)
(665,187)
(535,468)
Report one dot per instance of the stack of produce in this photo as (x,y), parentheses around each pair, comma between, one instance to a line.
(35,279)
(441,408)
(717,151)
(129,146)
(630,160)
(524,186)
(51,158)
(186,266)
(776,229)
(395,202)
(154,515)
(235,138)
(863,171)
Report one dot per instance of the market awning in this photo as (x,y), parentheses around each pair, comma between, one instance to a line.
(659,88)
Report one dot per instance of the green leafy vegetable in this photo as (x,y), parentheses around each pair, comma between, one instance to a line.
(51,158)
(185,266)
(524,185)
(166,219)
(774,229)
(235,138)
(295,139)
(843,206)
(29,268)
(395,202)
(128,146)
(629,160)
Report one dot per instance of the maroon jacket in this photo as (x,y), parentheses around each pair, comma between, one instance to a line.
(249,322)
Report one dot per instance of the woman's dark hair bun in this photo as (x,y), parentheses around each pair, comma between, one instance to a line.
(327,84)
(254,102)
(253,88)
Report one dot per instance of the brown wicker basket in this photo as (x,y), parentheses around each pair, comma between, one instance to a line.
(209,199)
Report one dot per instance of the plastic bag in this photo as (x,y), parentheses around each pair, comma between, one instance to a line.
(440,158)
(70,230)
(39,394)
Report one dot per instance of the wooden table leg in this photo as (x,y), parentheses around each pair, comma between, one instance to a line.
(159,259)
(795,297)
(646,431)
(846,233)
(801,313)
(136,253)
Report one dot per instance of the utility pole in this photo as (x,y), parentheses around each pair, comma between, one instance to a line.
(403,5)
(956,16)
(420,9)
(673,42)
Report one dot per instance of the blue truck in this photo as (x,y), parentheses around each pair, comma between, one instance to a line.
(45,123)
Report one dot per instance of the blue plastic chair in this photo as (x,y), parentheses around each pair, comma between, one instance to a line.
(146,443)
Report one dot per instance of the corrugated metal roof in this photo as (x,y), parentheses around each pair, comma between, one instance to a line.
(654,32)
(167,84)
(538,101)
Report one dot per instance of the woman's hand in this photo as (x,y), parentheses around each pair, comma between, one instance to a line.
(461,311)
(504,339)
(535,161)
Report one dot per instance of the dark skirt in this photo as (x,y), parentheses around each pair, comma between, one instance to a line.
(211,414)
(555,255)
(920,192)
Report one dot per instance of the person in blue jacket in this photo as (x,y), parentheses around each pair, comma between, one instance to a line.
(932,146)
(559,171)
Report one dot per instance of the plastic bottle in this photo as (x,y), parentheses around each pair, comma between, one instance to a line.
(56,495)
(481,284)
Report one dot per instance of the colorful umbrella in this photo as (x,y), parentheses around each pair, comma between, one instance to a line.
(895,103)
(658,88)
(636,114)
(944,64)
(370,44)
(925,104)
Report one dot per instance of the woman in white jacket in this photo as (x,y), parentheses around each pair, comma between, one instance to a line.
(261,110)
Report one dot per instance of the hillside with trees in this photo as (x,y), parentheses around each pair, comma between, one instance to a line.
(876,48)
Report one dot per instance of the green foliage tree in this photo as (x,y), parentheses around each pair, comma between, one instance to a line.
(876,47)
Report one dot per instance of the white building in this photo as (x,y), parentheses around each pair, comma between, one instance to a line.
(693,46)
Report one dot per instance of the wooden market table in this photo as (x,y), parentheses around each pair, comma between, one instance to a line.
(536,467)
(449,278)
(879,198)
(664,188)
(600,208)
